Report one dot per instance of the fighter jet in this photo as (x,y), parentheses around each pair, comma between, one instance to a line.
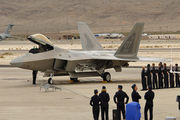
(92,60)
(5,35)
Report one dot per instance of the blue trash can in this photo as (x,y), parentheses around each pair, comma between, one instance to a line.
(133,111)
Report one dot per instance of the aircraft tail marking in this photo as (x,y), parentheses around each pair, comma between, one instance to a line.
(130,46)
(9,28)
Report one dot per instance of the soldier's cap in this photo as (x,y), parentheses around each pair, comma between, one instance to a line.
(148,65)
(133,86)
(150,87)
(120,86)
(103,87)
(95,91)
(176,64)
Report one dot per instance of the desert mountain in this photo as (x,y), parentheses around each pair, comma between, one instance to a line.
(33,16)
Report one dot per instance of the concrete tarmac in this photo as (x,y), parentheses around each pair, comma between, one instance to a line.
(20,100)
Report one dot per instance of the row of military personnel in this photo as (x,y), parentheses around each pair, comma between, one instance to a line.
(119,99)
(149,76)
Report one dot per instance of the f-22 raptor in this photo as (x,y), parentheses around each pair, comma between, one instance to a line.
(92,60)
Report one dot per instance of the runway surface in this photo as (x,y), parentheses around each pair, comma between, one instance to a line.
(20,100)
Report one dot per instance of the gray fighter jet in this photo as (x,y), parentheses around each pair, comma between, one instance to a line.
(92,60)
(5,35)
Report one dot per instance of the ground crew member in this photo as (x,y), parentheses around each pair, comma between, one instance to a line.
(148,74)
(165,72)
(104,103)
(34,73)
(177,75)
(95,103)
(149,96)
(171,77)
(135,95)
(120,96)
(159,71)
(154,73)
(143,78)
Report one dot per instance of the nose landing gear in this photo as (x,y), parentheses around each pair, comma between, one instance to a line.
(50,80)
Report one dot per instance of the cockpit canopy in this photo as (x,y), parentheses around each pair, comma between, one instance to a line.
(44,43)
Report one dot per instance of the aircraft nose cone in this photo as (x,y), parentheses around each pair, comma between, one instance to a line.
(17,62)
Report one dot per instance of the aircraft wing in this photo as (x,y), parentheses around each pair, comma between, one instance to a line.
(13,37)
(143,59)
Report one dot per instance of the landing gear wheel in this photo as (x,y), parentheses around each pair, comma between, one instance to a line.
(106,76)
(74,79)
(50,81)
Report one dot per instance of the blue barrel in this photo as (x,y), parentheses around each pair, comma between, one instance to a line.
(133,111)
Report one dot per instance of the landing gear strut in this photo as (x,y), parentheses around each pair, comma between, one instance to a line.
(106,76)
(50,80)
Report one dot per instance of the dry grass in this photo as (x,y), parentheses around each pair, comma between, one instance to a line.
(1,56)
(7,53)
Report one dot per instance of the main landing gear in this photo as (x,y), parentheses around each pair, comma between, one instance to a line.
(106,76)
(50,80)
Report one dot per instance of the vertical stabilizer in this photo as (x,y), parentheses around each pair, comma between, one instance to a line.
(129,48)
(88,40)
(9,28)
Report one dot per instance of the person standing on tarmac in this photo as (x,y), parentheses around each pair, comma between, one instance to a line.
(161,65)
(171,77)
(104,103)
(148,74)
(135,95)
(149,96)
(165,72)
(95,103)
(120,96)
(154,73)
(177,75)
(34,73)
(160,76)
(143,78)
